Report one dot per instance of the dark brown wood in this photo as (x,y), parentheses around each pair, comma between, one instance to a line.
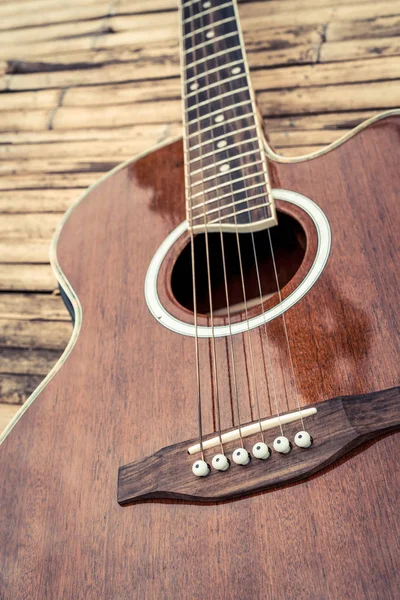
(340,425)
(127,390)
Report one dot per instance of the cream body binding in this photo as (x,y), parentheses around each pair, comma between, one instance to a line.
(68,289)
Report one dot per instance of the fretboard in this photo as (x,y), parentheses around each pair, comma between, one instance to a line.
(227,183)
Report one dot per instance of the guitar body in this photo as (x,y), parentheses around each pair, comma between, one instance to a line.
(127,389)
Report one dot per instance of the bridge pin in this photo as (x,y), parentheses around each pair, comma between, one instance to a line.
(200,468)
(220,462)
(282,445)
(261,451)
(303,439)
(241,456)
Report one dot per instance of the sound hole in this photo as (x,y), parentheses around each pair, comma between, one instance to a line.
(289,245)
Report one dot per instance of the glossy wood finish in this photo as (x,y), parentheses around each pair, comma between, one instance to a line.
(127,389)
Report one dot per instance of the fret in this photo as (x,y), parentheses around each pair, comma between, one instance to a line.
(229,195)
(203,45)
(225,160)
(200,30)
(218,83)
(224,149)
(219,208)
(212,56)
(224,136)
(226,174)
(224,184)
(216,69)
(221,124)
(208,11)
(245,210)
(224,95)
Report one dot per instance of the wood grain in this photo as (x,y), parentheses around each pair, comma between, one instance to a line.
(123,393)
(64,66)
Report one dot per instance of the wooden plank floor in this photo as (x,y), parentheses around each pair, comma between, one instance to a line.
(86,84)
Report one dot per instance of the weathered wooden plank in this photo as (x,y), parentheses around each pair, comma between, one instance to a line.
(20,361)
(56,14)
(32,181)
(111,150)
(57,166)
(7,411)
(30,100)
(16,389)
(108,116)
(31,226)
(345,50)
(28,307)
(369,28)
(31,120)
(24,251)
(23,278)
(360,96)
(15,202)
(158,132)
(34,334)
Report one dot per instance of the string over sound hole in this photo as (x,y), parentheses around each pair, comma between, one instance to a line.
(289,243)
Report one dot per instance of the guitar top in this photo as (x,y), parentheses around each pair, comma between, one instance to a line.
(222,423)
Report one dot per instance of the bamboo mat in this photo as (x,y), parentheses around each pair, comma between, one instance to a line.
(86,84)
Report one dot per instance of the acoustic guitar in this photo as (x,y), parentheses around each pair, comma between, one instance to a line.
(221,423)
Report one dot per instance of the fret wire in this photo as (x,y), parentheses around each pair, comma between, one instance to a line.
(215,112)
(247,199)
(224,149)
(213,24)
(252,164)
(219,82)
(207,11)
(229,194)
(224,135)
(224,160)
(239,212)
(205,102)
(209,71)
(212,41)
(211,56)
(211,189)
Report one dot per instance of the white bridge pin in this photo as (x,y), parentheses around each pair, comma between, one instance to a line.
(261,451)
(200,468)
(303,439)
(220,462)
(241,456)
(282,445)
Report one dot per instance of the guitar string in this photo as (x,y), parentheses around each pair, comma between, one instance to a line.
(214,379)
(231,345)
(293,376)
(255,386)
(286,331)
(187,189)
(271,368)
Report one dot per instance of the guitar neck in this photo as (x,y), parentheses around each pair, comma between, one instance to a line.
(227,183)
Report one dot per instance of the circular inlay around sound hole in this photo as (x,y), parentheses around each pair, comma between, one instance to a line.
(297,265)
